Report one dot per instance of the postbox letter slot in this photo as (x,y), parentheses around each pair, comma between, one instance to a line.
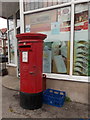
(25,46)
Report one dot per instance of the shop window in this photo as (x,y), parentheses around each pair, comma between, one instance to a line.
(56,24)
(18,54)
(36,4)
(10,23)
(81,42)
(11,47)
(18,18)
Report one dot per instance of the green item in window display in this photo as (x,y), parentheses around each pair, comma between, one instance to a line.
(12,52)
(81,61)
(82,57)
(82,67)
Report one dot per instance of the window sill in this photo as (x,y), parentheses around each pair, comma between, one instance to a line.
(68,77)
(11,65)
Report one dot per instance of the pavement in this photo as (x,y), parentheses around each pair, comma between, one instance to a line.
(11,106)
(11,82)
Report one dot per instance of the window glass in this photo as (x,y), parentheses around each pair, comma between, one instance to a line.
(81,42)
(18,18)
(36,4)
(18,54)
(11,47)
(10,23)
(56,24)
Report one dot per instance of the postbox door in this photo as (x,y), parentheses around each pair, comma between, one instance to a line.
(29,72)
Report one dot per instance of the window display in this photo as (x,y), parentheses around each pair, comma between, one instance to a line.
(81,42)
(56,24)
(47,57)
(11,47)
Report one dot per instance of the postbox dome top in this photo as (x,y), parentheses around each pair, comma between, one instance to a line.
(32,36)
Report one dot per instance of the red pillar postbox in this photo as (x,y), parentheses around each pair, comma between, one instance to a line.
(31,54)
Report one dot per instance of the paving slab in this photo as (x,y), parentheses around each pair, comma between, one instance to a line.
(11,82)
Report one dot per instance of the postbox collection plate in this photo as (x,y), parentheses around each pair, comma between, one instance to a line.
(25,56)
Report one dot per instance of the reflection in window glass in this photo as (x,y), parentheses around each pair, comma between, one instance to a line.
(56,24)
(81,40)
(11,47)
(10,23)
(36,4)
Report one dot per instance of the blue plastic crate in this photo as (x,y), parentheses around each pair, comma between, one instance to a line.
(54,97)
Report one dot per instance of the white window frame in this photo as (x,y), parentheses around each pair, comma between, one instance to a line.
(69,77)
(21,16)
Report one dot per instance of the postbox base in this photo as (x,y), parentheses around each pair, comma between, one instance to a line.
(31,101)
